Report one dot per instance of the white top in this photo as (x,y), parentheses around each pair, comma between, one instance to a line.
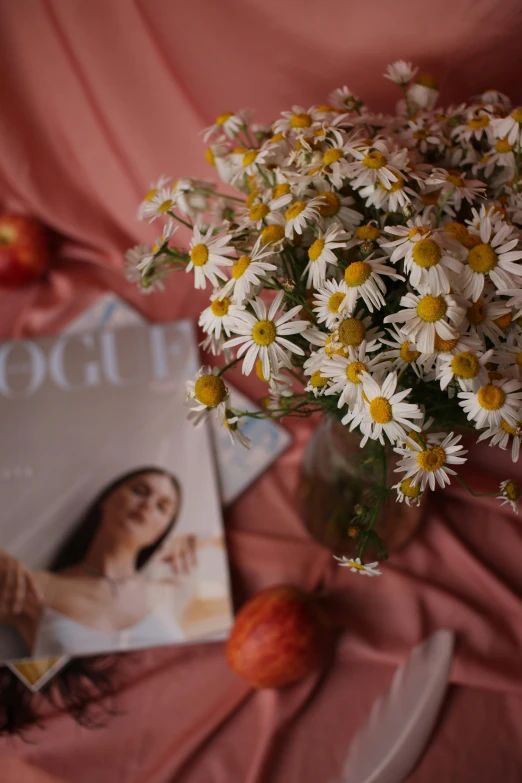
(59,634)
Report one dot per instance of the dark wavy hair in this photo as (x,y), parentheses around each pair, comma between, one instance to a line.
(86,688)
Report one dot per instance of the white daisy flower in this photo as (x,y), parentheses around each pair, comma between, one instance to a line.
(478,124)
(330,302)
(429,464)
(138,259)
(249,161)
(367,569)
(408,493)
(317,384)
(229,124)
(298,215)
(259,213)
(424,91)
(159,204)
(233,425)
(344,98)
(509,127)
(345,374)
(481,317)
(430,264)
(265,335)
(426,316)
(402,354)
(249,272)
(468,368)
(454,183)
(408,235)
(383,411)
(391,198)
(206,257)
(321,253)
(510,493)
(374,162)
(496,400)
(363,280)
(509,356)
(493,256)
(328,347)
(400,72)
(154,187)
(207,393)
(218,317)
(297,121)
(444,348)
(335,209)
(353,329)
(499,435)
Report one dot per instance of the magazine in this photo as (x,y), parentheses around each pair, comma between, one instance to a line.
(236,468)
(111,525)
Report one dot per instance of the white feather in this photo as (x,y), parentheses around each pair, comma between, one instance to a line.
(388,746)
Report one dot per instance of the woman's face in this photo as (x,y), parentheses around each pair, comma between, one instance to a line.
(140,509)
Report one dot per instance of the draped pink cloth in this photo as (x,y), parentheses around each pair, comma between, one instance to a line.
(100,98)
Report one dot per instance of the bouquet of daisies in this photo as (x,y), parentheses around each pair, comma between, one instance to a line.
(367,265)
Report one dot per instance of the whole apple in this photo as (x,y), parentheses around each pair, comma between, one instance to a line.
(279,636)
(24,250)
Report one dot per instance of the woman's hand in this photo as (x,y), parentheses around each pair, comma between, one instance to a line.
(19,592)
(180,554)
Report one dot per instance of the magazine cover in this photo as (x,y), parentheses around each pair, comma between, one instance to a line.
(236,468)
(111,536)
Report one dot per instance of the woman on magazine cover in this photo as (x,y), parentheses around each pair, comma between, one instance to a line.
(96,597)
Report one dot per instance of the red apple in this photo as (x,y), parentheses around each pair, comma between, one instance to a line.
(24,250)
(278,637)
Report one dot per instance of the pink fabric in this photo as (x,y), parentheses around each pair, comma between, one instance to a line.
(97,100)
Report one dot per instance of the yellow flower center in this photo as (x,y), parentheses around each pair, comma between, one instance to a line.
(482,259)
(295,210)
(406,354)
(444,346)
(331,204)
(374,160)
(240,267)
(272,234)
(276,138)
(367,233)
(315,250)
(248,158)
(249,201)
(511,490)
(491,397)
(150,195)
(165,205)
(456,230)
(199,255)
(415,436)
(479,121)
(220,307)
(335,301)
(465,365)
(381,410)
(317,380)
(420,134)
(302,120)
(258,212)
(209,157)
(470,241)
(283,189)
(352,332)
(394,187)
(477,312)
(331,351)
(210,390)
(431,459)
(264,332)
(427,80)
(503,146)
(426,253)
(332,156)
(455,180)
(517,115)
(519,359)
(503,321)
(431,308)
(357,274)
(224,117)
(430,198)
(409,490)
(508,428)
(354,370)
(418,231)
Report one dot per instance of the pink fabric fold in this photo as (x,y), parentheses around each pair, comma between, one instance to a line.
(100,99)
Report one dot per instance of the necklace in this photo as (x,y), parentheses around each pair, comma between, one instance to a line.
(115,583)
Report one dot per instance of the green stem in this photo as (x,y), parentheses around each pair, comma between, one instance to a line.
(258,167)
(476,494)
(228,366)
(444,202)
(176,217)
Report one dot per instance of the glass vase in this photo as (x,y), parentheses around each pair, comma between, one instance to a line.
(340,481)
